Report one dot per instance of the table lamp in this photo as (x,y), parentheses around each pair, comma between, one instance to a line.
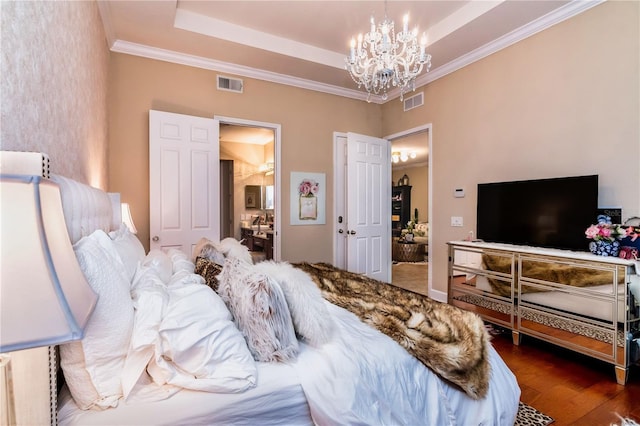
(44,297)
(127,219)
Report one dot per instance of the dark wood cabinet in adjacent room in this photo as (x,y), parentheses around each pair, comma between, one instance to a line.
(400,208)
(262,242)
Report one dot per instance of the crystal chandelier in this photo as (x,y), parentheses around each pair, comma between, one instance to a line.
(381,59)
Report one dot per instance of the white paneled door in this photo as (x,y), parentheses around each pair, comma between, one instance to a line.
(368,211)
(184,181)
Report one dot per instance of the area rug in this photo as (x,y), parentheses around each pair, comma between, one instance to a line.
(529,416)
(411,276)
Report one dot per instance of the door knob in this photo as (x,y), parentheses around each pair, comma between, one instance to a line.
(340,231)
(155,239)
(352,232)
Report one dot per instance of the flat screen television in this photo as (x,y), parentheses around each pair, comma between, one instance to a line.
(551,213)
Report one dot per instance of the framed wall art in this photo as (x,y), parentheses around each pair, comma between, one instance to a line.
(308,195)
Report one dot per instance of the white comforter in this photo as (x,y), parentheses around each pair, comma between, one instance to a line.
(361,377)
(364,378)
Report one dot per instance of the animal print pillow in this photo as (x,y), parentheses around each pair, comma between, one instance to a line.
(209,270)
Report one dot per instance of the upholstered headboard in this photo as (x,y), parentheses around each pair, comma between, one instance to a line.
(87,208)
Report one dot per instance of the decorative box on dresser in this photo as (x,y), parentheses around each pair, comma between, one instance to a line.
(586,303)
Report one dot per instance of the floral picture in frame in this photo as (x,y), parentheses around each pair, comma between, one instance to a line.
(308,195)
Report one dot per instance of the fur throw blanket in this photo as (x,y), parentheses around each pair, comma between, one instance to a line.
(450,341)
(556,273)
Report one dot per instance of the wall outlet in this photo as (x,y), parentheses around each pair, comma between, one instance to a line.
(456,221)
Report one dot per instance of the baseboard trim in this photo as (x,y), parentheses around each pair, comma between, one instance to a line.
(440,296)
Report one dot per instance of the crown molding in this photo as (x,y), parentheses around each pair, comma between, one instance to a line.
(107,22)
(144,51)
(567,11)
(408,165)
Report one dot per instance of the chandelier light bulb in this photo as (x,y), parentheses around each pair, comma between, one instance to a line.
(404,157)
(413,154)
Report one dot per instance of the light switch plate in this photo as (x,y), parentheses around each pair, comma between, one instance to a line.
(456,221)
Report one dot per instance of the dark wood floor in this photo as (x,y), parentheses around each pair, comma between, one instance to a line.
(571,388)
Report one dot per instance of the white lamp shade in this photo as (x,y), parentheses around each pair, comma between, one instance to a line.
(44,296)
(127,219)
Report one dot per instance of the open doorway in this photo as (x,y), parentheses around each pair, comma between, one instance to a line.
(410,151)
(249,202)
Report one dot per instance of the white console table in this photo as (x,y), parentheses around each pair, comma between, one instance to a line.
(586,303)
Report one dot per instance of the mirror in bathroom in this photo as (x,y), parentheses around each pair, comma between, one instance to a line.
(268,197)
(253,196)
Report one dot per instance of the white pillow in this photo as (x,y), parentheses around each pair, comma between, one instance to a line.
(161,262)
(233,248)
(93,366)
(311,318)
(129,248)
(199,347)
(180,261)
(209,250)
(423,228)
(260,311)
(150,299)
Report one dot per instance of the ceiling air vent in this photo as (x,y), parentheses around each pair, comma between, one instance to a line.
(230,84)
(414,101)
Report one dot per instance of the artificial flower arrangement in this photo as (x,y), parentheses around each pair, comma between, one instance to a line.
(604,230)
(411,229)
(607,236)
(410,226)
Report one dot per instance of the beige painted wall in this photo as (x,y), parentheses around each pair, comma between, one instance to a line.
(54,86)
(563,102)
(308,120)
(419,181)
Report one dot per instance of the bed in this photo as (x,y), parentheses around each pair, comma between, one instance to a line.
(164,347)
